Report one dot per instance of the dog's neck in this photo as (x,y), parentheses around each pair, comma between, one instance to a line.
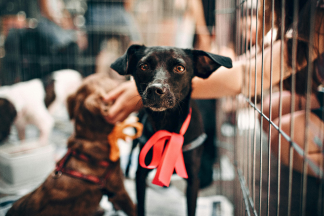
(170,119)
(93,131)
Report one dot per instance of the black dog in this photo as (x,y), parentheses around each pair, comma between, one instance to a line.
(163,78)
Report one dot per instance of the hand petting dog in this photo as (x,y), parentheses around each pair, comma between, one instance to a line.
(126,100)
(91,167)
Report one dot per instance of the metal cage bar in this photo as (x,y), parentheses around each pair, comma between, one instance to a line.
(248,172)
(307,116)
(270,106)
(263,184)
(292,109)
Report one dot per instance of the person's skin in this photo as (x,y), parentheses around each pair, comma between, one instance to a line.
(56,12)
(62,17)
(229,82)
(316,128)
(223,82)
(129,5)
(203,36)
(300,104)
(126,100)
(245,25)
(315,132)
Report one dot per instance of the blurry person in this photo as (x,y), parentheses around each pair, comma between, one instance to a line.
(315,130)
(111,29)
(46,42)
(316,99)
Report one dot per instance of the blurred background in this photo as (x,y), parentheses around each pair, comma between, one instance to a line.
(38,37)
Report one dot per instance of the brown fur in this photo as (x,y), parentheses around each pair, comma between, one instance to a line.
(71,196)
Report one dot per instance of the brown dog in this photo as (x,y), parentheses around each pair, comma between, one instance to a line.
(86,172)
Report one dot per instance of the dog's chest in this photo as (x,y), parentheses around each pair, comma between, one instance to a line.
(197,137)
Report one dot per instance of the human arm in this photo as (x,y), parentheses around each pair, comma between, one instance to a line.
(223,82)
(129,5)
(229,82)
(52,10)
(57,12)
(202,32)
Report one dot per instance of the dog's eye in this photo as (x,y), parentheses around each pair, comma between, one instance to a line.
(144,67)
(179,69)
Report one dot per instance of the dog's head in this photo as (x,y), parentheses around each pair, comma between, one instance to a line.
(86,106)
(163,74)
(8,114)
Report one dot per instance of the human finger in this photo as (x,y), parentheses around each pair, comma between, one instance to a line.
(116,92)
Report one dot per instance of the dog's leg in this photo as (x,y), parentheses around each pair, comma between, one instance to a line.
(192,162)
(192,194)
(134,144)
(119,198)
(21,130)
(45,123)
(141,175)
(20,124)
(45,131)
(122,201)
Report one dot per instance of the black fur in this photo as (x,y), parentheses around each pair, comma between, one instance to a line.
(49,87)
(8,114)
(163,78)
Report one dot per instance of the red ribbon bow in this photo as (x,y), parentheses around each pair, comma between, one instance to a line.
(166,159)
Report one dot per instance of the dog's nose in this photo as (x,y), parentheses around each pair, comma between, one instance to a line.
(157,89)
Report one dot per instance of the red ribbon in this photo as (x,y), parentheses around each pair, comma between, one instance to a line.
(166,159)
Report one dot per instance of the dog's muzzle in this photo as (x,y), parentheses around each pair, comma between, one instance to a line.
(158,97)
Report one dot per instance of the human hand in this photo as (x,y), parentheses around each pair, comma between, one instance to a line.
(126,100)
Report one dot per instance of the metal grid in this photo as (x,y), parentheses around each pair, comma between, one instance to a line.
(258,185)
(264,186)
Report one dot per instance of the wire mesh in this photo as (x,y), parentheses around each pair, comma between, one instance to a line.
(277,185)
(252,133)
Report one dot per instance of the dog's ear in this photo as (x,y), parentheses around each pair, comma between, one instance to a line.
(92,103)
(71,103)
(206,63)
(121,64)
